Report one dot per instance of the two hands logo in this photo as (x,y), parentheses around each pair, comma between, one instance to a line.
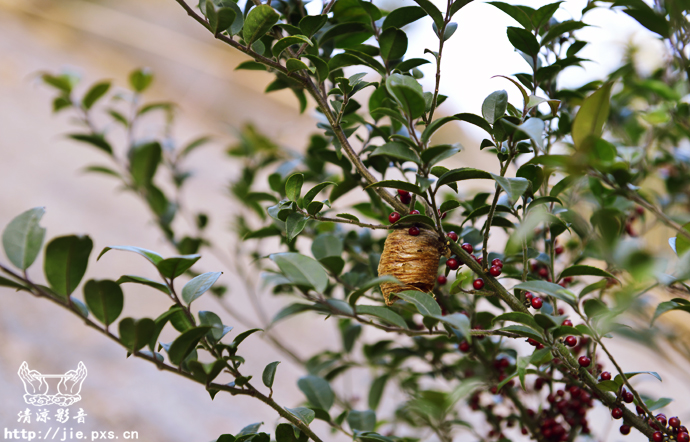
(38,386)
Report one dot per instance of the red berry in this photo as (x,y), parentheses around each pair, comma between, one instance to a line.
(661,418)
(414,212)
(584,361)
(495,271)
(683,437)
(478,259)
(497,262)
(532,342)
(568,279)
(629,230)
(605,376)
(639,409)
(674,422)
(628,397)
(625,429)
(543,272)
(570,341)
(529,296)
(464,346)
(639,210)
(403,192)
(537,303)
(682,429)
(657,436)
(406,199)
(561,311)
(567,322)
(616,413)
(442,280)
(453,236)
(414,231)
(467,247)
(452,263)
(559,250)
(393,217)
(442,215)
(478,284)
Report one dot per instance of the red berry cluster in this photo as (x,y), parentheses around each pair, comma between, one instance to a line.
(405,196)
(534,301)
(569,408)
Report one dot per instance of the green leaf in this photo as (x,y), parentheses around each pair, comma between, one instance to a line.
(199,285)
(286,42)
(97,140)
(525,332)
(65,262)
(311,194)
(522,363)
(513,187)
(464,173)
(220,19)
(269,374)
(593,113)
(144,162)
(242,336)
(400,17)
(593,287)
(434,126)
(95,93)
(594,307)
(457,5)
(523,40)
(23,237)
(415,219)
(519,317)
(517,12)
(408,93)
(432,11)
(438,153)
(534,128)
(582,270)
(293,186)
(152,257)
(294,65)
(326,245)
(561,28)
(682,243)
(354,296)
(396,150)
(218,330)
(653,405)
(393,44)
(102,169)
(619,379)
(449,205)
(136,334)
(383,313)
(294,224)
(186,343)
(303,414)
(310,24)
(425,303)
(668,306)
(104,299)
(259,21)
(376,391)
(651,20)
(302,270)
(290,310)
(495,105)
(348,216)
(140,79)
(474,119)
(362,420)
(175,266)
(458,321)
(4,282)
(317,390)
(549,288)
(396,184)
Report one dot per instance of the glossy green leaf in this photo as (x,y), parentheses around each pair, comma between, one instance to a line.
(302,270)
(152,257)
(383,313)
(186,343)
(432,11)
(464,173)
(317,390)
(668,306)
(425,303)
(65,262)
(269,374)
(396,184)
(259,21)
(105,299)
(199,285)
(549,288)
(325,245)
(97,140)
(294,224)
(519,317)
(362,420)
(23,237)
(96,92)
(400,17)
(218,329)
(293,186)
(593,113)
(495,105)
(310,24)
(286,42)
(136,334)
(140,79)
(513,187)
(516,12)
(523,40)
(653,405)
(303,414)
(175,266)
(408,93)
(144,161)
(438,153)
(393,44)
(396,150)
(314,191)
(583,270)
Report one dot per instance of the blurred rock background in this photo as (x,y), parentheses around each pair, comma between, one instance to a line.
(39,167)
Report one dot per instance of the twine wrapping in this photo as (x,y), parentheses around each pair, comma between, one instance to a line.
(413,260)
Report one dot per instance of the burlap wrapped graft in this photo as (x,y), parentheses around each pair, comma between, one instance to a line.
(412,259)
